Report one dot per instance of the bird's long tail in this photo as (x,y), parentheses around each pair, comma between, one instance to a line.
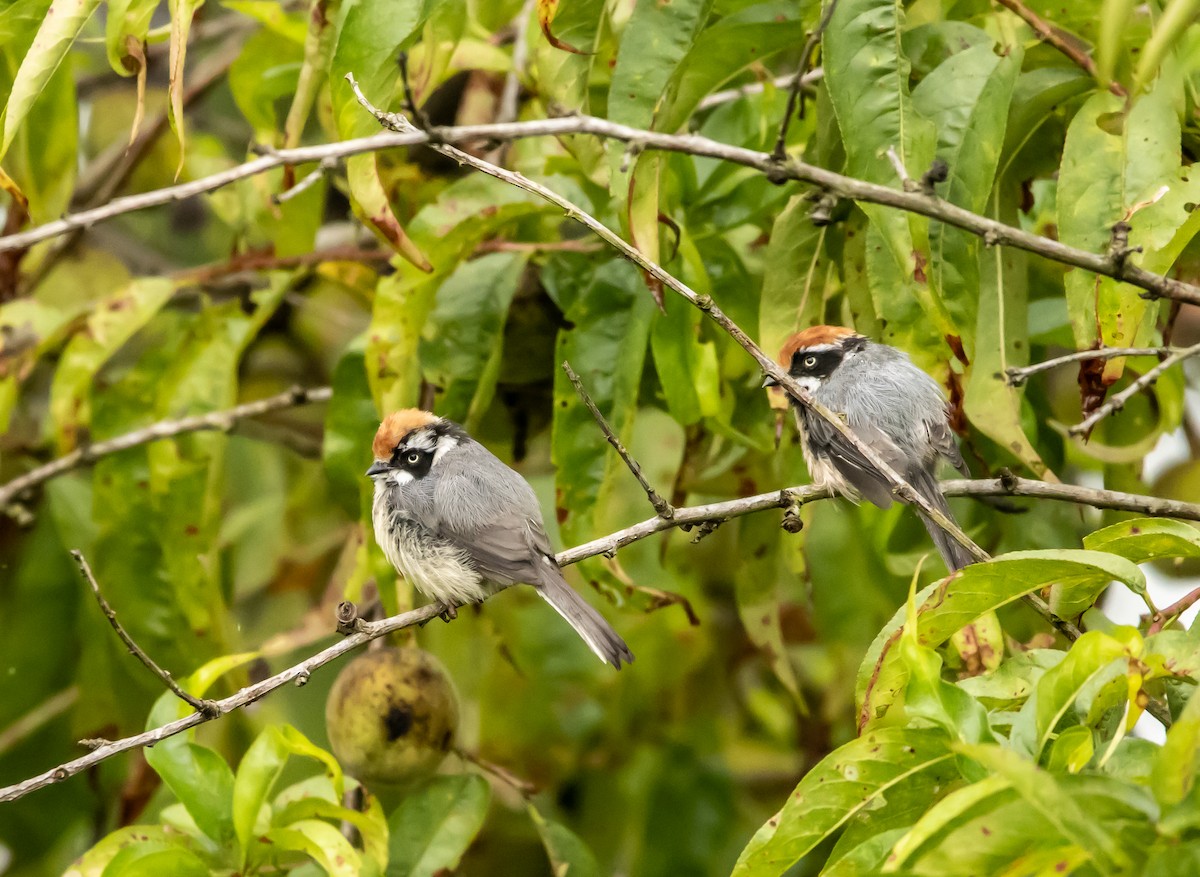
(587,622)
(954,554)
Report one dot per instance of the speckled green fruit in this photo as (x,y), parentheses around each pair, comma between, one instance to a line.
(392,715)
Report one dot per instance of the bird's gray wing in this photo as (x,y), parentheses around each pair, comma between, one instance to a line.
(943,440)
(825,441)
(491,513)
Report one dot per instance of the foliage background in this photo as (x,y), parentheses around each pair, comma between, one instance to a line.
(215,544)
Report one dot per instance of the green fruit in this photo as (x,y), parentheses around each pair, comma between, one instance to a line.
(392,715)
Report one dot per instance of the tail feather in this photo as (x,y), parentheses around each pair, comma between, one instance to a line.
(955,555)
(586,621)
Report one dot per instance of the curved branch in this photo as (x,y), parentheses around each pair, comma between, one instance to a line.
(164,429)
(365,631)
(993,232)
(1117,402)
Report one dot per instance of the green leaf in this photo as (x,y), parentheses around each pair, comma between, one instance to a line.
(941,815)
(260,768)
(448,229)
(1008,686)
(1177,15)
(1144,539)
(1113,160)
(1175,767)
(201,780)
(763,546)
(569,855)
(432,828)
(730,45)
(967,97)
(1093,656)
(318,840)
(351,414)
(151,860)
(370,823)
(319,44)
(58,31)
(867,76)
(265,72)
(928,696)
(111,324)
(1054,803)
(606,347)
(1076,576)
(94,861)
(797,274)
(853,781)
(463,338)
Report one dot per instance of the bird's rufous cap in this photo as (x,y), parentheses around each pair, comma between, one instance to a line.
(813,336)
(396,426)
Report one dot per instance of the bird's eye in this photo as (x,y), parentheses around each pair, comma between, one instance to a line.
(413,458)
(810,361)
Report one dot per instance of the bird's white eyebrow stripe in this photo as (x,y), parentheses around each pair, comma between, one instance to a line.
(819,348)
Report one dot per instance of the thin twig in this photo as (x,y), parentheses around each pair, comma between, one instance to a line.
(838,185)
(661,506)
(524,788)
(326,167)
(1051,35)
(204,707)
(1165,616)
(1117,402)
(507,108)
(203,274)
(729,95)
(164,429)
(1018,376)
(363,632)
(796,92)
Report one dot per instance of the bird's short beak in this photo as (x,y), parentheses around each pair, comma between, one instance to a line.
(769,381)
(377,468)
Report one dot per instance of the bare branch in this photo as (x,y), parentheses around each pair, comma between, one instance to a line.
(661,506)
(1165,616)
(268,261)
(729,95)
(204,707)
(1054,37)
(164,429)
(1117,402)
(1018,376)
(795,91)
(509,95)
(325,167)
(362,632)
(839,185)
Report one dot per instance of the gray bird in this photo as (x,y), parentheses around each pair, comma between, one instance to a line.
(460,524)
(894,407)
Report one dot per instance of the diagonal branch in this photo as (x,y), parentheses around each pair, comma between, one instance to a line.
(204,707)
(164,429)
(363,632)
(1018,376)
(993,232)
(1051,35)
(1117,402)
(660,505)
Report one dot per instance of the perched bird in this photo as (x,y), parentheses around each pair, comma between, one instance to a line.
(894,407)
(460,524)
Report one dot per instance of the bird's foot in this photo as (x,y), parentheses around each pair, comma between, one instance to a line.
(449,612)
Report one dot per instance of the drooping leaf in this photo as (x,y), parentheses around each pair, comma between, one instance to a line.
(569,855)
(61,25)
(1143,539)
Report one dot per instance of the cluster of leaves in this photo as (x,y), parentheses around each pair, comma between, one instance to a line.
(209,545)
